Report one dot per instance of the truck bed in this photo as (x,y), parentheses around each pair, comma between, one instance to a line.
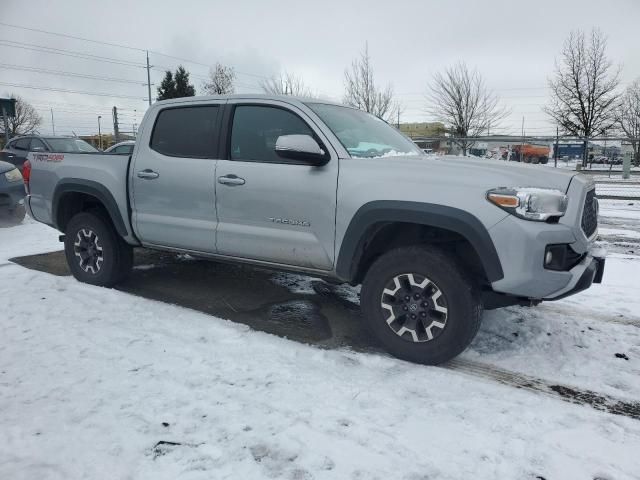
(50,172)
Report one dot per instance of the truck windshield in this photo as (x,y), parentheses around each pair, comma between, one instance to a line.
(70,145)
(362,134)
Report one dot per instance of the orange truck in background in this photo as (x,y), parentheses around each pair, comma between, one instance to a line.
(528,153)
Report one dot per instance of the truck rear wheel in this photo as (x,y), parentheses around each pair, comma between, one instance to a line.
(421,305)
(95,253)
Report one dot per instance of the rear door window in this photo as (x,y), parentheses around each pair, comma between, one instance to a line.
(22,144)
(186,132)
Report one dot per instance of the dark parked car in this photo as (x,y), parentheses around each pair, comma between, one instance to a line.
(18,148)
(12,194)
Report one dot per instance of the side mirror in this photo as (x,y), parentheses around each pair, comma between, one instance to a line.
(301,147)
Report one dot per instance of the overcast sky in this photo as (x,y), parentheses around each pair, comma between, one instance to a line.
(512,43)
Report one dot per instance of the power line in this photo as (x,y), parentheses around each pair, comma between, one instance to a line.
(86,107)
(67,53)
(71,36)
(90,111)
(128,47)
(35,87)
(68,74)
(159,68)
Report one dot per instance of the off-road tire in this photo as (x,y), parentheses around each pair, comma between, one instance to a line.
(458,292)
(117,255)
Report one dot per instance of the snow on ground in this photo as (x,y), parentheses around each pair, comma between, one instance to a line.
(625,209)
(619,232)
(573,341)
(92,379)
(29,238)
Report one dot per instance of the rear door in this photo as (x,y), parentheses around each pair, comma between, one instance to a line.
(270,208)
(173,178)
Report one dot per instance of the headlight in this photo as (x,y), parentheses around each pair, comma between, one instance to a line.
(538,204)
(13,175)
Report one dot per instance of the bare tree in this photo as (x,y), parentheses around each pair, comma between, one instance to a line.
(362,92)
(27,119)
(221,80)
(583,87)
(627,117)
(459,98)
(286,83)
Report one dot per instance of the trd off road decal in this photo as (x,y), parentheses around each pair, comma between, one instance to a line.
(48,157)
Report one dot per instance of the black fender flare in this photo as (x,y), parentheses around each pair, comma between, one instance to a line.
(95,189)
(429,214)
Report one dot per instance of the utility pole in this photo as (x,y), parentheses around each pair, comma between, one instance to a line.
(115,124)
(99,131)
(148,78)
(555,153)
(5,117)
(53,124)
(398,118)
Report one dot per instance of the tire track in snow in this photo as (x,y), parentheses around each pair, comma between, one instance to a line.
(589,314)
(574,395)
(479,370)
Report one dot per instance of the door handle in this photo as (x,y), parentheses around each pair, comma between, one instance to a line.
(148,174)
(231,180)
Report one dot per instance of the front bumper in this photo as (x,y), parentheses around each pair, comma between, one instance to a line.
(592,274)
(521,247)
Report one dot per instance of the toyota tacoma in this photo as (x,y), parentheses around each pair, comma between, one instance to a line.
(322,189)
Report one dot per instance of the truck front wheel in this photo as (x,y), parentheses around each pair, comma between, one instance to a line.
(420,305)
(95,253)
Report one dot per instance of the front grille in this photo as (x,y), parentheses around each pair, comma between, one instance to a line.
(590,214)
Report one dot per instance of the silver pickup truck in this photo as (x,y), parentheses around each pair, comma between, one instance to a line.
(323,189)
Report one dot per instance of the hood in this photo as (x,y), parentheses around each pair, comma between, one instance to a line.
(492,173)
(6,166)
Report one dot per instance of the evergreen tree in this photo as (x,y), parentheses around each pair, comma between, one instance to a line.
(182,86)
(167,88)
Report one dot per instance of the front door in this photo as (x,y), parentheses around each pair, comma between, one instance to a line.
(269,208)
(172,178)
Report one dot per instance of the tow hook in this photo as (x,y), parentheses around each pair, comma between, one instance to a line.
(61,238)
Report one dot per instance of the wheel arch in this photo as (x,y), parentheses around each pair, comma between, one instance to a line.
(74,195)
(373,217)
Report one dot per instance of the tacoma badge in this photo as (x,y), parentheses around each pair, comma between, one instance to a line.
(287,221)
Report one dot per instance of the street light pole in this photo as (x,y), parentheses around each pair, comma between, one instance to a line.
(99,131)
